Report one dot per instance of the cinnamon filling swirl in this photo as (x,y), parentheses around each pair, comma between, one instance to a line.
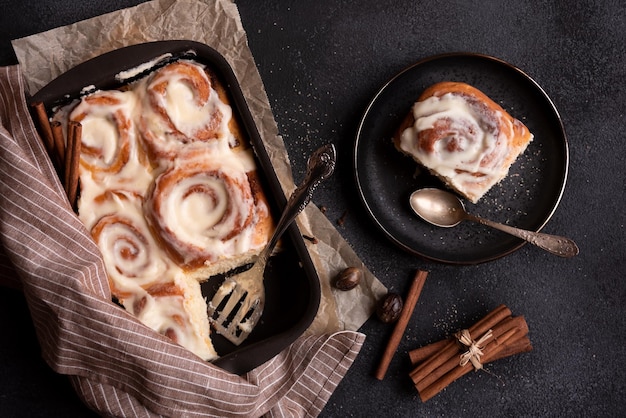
(181,106)
(203,210)
(463,137)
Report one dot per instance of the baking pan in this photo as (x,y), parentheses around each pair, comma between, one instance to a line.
(292,284)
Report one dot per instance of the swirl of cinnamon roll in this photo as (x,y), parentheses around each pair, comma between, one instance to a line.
(107,129)
(109,149)
(181,106)
(131,255)
(203,208)
(463,137)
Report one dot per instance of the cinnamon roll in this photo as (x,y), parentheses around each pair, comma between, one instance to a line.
(109,151)
(463,137)
(176,310)
(207,211)
(181,106)
(131,255)
(141,276)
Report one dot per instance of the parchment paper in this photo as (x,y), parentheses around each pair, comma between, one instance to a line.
(216,23)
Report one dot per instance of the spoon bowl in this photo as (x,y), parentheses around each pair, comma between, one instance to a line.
(444,209)
(437,207)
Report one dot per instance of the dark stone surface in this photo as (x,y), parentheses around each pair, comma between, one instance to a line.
(321,63)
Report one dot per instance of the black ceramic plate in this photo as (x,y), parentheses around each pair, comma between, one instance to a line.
(291,282)
(526,198)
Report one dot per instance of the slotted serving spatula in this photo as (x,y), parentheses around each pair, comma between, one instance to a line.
(238,303)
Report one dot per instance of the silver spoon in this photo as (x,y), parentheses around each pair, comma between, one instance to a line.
(444,209)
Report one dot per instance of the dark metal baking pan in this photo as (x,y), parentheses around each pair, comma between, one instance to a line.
(292,284)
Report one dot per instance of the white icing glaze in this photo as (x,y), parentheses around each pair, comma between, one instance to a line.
(101,131)
(180,104)
(209,200)
(123,76)
(472,153)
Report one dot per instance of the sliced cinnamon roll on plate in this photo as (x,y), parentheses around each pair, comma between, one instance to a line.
(463,137)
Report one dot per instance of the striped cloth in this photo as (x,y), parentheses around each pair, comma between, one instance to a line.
(118,366)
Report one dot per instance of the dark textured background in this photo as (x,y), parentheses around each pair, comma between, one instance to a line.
(321,63)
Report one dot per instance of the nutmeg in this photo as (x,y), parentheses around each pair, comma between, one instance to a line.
(348,278)
(389,308)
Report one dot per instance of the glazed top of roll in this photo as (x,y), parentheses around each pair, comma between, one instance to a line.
(462,136)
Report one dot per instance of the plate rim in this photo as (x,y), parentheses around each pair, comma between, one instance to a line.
(411,67)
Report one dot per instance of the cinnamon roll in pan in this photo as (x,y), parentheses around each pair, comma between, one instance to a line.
(131,255)
(463,137)
(208,214)
(142,278)
(110,151)
(176,310)
(180,106)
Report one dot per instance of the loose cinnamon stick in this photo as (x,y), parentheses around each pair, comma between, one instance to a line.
(72,159)
(398,331)
(506,343)
(452,349)
(44,126)
(499,331)
(59,144)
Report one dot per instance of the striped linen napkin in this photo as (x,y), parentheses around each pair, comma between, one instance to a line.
(118,366)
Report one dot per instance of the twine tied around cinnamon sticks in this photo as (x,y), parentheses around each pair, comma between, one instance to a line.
(437,365)
(474,348)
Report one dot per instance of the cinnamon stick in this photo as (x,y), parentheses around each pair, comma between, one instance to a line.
(409,305)
(510,348)
(506,344)
(72,159)
(499,332)
(420,354)
(59,143)
(44,126)
(452,349)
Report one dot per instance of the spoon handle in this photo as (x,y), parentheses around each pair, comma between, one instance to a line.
(561,246)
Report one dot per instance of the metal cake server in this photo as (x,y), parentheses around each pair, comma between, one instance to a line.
(238,303)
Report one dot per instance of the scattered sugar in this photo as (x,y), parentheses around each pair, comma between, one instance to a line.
(448,323)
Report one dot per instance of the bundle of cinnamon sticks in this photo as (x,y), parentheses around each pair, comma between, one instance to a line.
(496,336)
(64,154)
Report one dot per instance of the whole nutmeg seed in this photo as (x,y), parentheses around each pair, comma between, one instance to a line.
(348,278)
(389,308)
